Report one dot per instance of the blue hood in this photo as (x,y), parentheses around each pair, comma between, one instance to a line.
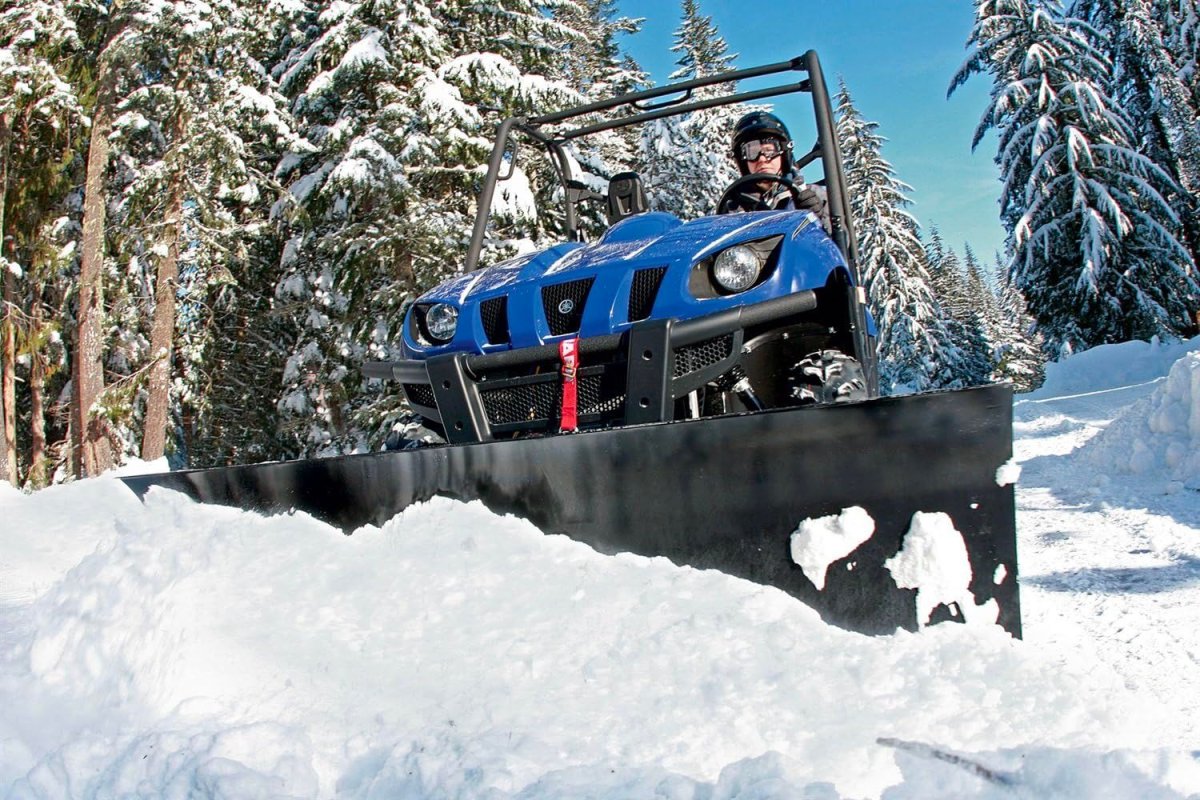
(645,241)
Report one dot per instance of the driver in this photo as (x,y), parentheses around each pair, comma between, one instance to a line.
(762,145)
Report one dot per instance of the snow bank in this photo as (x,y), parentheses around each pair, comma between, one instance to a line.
(1111,366)
(173,649)
(1159,434)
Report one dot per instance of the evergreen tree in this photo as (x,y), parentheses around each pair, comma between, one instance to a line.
(400,104)
(1092,234)
(41,115)
(598,67)
(186,137)
(981,318)
(688,157)
(595,63)
(1017,345)
(891,258)
(965,359)
(229,414)
(1152,89)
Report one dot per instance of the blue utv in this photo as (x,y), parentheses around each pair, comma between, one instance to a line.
(697,389)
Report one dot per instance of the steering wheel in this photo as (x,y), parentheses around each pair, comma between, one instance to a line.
(734,198)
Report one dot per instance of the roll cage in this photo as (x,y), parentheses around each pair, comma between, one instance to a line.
(826,148)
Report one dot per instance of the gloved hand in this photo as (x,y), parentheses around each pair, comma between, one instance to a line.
(807,199)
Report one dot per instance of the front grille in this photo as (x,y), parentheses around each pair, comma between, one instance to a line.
(495,320)
(693,357)
(600,391)
(420,394)
(644,290)
(563,304)
(598,396)
(529,402)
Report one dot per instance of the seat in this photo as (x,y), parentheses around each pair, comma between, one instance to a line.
(626,196)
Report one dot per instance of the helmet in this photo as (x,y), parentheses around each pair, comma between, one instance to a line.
(760,124)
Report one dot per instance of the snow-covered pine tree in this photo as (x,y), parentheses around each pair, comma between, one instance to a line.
(401,104)
(1151,87)
(234,347)
(1017,345)
(599,69)
(187,137)
(351,85)
(499,81)
(981,294)
(595,64)
(1095,251)
(688,158)
(892,260)
(1180,19)
(963,360)
(40,119)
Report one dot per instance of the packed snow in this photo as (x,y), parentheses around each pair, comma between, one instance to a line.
(171,650)
(819,542)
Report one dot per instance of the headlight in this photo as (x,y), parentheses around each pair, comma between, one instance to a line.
(737,268)
(441,321)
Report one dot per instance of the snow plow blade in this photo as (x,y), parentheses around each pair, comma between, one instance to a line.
(721,493)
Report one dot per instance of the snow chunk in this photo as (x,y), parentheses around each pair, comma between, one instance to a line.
(819,542)
(1008,473)
(934,561)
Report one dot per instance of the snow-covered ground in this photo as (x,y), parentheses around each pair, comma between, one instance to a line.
(172,650)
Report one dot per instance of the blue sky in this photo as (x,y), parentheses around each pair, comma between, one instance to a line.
(897,58)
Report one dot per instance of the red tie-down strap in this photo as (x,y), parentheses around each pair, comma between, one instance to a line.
(568,357)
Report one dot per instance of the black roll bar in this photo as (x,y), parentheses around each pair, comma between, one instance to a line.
(831,161)
(633,98)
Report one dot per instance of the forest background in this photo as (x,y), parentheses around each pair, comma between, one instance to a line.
(212,212)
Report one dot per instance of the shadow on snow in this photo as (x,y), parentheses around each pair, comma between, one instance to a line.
(1181,574)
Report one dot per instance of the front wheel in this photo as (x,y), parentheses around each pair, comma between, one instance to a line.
(828,377)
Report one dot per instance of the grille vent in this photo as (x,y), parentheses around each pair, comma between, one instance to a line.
(599,393)
(595,397)
(697,356)
(563,304)
(528,403)
(420,394)
(644,290)
(495,320)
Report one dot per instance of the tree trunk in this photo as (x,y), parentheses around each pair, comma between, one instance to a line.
(8,332)
(9,357)
(92,452)
(162,331)
(36,476)
(162,326)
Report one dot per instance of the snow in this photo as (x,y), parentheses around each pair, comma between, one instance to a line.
(819,542)
(933,560)
(170,649)
(1008,474)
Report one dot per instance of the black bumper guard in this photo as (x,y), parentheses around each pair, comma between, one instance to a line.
(476,397)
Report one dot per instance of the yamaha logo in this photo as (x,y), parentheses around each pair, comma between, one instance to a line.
(566,306)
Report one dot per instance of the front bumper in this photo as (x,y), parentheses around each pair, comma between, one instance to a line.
(628,378)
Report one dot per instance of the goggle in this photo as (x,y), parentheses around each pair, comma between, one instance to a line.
(764,148)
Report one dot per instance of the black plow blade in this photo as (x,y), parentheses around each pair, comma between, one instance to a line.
(724,493)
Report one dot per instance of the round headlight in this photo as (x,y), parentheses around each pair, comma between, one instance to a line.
(737,268)
(441,321)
